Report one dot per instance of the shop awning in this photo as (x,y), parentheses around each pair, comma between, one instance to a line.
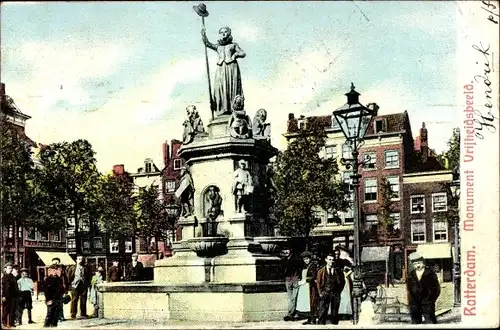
(147,260)
(47,257)
(434,250)
(375,253)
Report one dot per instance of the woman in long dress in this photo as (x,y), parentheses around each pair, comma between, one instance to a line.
(346,301)
(227,81)
(303,304)
(94,294)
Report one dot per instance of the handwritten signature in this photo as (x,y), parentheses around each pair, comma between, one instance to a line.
(485,121)
(489,7)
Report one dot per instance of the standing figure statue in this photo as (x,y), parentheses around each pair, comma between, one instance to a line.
(213,203)
(242,186)
(193,125)
(185,192)
(227,82)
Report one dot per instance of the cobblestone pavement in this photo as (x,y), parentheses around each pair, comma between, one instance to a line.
(448,319)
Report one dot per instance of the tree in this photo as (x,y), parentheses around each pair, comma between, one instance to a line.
(450,159)
(152,216)
(117,209)
(305,182)
(67,185)
(385,208)
(16,175)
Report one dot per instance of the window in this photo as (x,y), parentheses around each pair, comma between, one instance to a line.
(349,217)
(331,151)
(439,202)
(71,243)
(11,231)
(369,160)
(440,229)
(128,246)
(70,232)
(177,164)
(20,232)
(148,166)
(346,151)
(86,244)
(394,183)
(332,218)
(370,190)
(71,222)
(55,236)
(347,177)
(31,233)
(97,243)
(170,186)
(113,246)
(143,244)
(371,225)
(44,236)
(391,158)
(396,217)
(301,123)
(418,231)
(380,125)
(417,204)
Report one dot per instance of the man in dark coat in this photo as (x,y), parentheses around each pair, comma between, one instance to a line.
(292,266)
(53,294)
(330,282)
(312,272)
(423,289)
(135,269)
(79,280)
(9,296)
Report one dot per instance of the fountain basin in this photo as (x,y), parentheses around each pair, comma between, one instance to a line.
(270,244)
(208,246)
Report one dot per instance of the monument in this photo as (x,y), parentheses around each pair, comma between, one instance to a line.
(225,267)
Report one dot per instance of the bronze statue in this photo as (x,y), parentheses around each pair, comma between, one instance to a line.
(193,125)
(227,81)
(242,186)
(261,129)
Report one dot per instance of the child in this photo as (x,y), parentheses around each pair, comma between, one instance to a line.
(94,298)
(26,287)
(367,314)
(53,294)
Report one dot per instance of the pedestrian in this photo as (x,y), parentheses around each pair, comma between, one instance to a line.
(344,262)
(292,271)
(9,296)
(17,276)
(97,279)
(308,292)
(330,282)
(135,269)
(53,294)
(368,307)
(79,279)
(113,272)
(423,289)
(64,287)
(26,287)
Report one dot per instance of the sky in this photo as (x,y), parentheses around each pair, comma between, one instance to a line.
(120,74)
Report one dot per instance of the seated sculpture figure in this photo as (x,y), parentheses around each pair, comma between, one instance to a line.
(261,129)
(240,125)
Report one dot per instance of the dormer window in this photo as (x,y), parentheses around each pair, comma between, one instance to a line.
(177,164)
(148,165)
(380,126)
(301,123)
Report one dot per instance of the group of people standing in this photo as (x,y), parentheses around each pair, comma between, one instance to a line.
(318,289)
(73,285)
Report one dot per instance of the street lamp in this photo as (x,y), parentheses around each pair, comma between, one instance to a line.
(173,211)
(454,192)
(354,119)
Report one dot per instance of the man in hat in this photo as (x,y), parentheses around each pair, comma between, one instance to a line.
(135,269)
(311,271)
(79,280)
(17,276)
(330,282)
(292,266)
(9,296)
(64,287)
(423,289)
(26,287)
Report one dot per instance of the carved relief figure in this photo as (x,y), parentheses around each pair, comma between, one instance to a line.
(242,186)
(185,192)
(213,203)
(227,82)
(261,129)
(193,125)
(240,125)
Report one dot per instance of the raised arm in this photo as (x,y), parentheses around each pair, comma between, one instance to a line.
(206,42)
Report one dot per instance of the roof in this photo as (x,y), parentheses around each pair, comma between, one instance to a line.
(395,123)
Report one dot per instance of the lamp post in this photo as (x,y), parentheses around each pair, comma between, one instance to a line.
(454,192)
(354,119)
(173,211)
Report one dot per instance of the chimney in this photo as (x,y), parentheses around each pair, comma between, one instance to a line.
(118,169)
(424,146)
(166,153)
